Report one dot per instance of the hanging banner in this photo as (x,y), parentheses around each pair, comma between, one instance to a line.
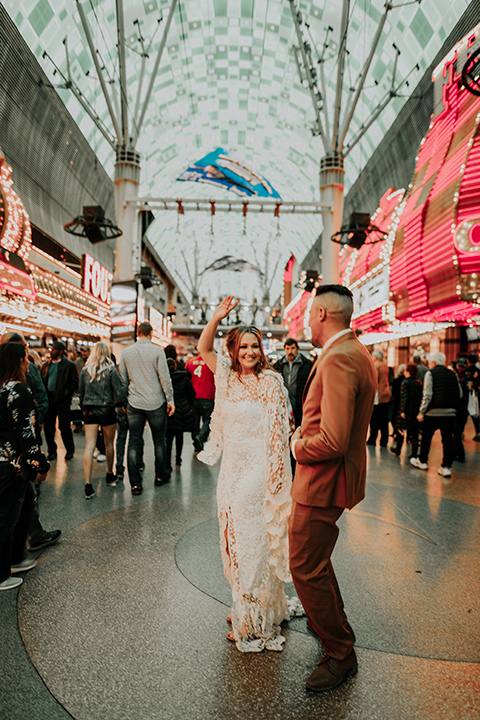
(221,169)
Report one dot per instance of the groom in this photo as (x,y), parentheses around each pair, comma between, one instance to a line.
(330,450)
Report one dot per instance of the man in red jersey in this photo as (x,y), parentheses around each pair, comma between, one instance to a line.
(204,385)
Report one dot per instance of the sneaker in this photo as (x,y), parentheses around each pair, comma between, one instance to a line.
(69,455)
(89,491)
(50,538)
(141,467)
(120,476)
(101,458)
(445,471)
(111,479)
(23,566)
(416,463)
(10,583)
(96,453)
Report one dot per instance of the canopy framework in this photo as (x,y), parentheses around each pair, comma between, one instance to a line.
(227,75)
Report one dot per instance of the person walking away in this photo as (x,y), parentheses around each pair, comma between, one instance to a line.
(60,377)
(171,352)
(330,475)
(440,400)
(183,419)
(395,399)
(379,420)
(204,386)
(411,392)
(474,372)
(464,378)
(295,369)
(421,367)
(21,463)
(100,390)
(143,368)
(250,429)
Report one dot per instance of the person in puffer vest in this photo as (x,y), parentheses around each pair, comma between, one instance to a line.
(440,402)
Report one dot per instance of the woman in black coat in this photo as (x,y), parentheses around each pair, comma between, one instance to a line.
(183,419)
(411,392)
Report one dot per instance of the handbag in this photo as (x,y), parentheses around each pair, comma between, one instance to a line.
(472,407)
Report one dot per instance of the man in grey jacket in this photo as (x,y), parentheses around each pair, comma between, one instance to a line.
(144,369)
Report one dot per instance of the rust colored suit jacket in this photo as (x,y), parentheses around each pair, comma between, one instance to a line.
(337,407)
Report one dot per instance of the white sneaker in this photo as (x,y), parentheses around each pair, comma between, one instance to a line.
(101,458)
(96,452)
(23,566)
(416,463)
(10,583)
(445,471)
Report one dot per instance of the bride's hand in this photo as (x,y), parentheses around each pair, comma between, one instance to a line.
(225,307)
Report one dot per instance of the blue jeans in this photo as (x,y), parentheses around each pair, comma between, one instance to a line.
(157,420)
(203,408)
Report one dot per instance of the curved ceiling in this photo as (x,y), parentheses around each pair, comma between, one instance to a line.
(228,77)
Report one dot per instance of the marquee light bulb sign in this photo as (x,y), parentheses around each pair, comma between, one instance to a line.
(96,279)
(15,229)
(433,244)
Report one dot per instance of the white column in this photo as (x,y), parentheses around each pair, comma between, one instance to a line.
(127,180)
(331,193)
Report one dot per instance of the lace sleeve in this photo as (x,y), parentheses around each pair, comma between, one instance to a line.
(213,448)
(279,473)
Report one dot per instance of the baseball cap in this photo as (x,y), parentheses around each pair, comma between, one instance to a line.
(58,345)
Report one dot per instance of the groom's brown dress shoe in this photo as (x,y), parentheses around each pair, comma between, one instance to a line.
(331,672)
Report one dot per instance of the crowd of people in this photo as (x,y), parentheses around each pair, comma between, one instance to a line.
(291,437)
(421,398)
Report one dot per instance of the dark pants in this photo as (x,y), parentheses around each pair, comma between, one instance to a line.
(157,420)
(16,508)
(120,443)
(313,533)
(379,423)
(412,433)
(458,430)
(430,426)
(203,408)
(178,435)
(61,410)
(36,532)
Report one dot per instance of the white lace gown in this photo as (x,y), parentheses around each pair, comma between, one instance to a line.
(251,426)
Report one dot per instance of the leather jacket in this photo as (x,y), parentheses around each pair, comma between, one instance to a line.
(108,390)
(67,379)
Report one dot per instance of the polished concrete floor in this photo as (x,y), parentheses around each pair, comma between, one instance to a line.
(126,616)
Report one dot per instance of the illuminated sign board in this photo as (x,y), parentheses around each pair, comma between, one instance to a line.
(96,279)
(221,169)
(162,326)
(14,276)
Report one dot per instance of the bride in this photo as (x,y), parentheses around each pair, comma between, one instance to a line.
(251,427)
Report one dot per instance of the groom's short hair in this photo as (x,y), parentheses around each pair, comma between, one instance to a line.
(338,299)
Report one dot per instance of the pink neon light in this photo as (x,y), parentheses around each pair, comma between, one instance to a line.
(474,235)
(428,259)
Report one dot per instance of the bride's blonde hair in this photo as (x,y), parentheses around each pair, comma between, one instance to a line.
(99,360)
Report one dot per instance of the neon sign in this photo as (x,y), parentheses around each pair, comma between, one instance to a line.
(96,279)
(433,242)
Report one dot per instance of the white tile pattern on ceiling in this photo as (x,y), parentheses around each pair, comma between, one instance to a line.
(228,78)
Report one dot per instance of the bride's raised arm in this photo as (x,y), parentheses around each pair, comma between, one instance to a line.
(207,338)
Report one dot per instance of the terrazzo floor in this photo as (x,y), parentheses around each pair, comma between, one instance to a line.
(126,616)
